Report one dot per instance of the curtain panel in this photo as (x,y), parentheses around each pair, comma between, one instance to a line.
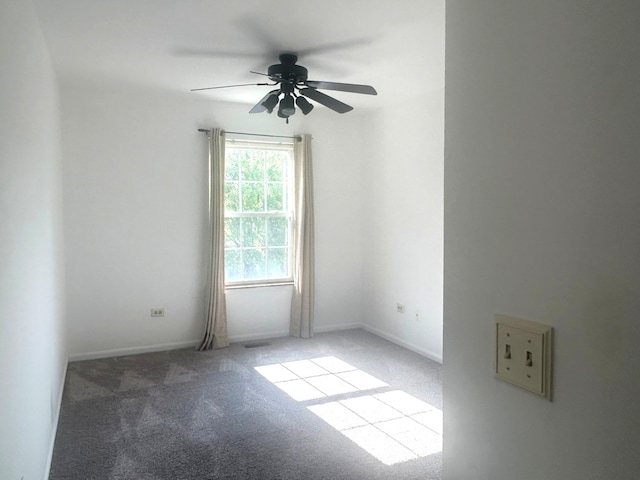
(302,302)
(215,335)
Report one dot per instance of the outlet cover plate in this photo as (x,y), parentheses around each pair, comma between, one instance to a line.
(523,354)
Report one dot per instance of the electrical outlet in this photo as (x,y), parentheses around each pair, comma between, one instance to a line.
(399,308)
(523,354)
(157,312)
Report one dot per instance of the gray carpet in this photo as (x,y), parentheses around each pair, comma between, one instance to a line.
(359,408)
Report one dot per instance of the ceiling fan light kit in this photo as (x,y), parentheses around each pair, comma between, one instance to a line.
(271,101)
(286,106)
(304,105)
(291,77)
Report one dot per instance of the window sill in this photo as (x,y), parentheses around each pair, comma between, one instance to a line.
(258,285)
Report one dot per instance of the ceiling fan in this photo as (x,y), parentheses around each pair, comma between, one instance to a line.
(292,82)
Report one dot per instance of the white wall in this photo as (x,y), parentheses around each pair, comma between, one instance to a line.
(403,223)
(541,222)
(135,217)
(32,340)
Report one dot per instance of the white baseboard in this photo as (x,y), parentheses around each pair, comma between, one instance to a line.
(118,352)
(250,337)
(402,343)
(54,430)
(336,328)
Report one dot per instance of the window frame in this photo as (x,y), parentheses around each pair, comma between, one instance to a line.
(288,213)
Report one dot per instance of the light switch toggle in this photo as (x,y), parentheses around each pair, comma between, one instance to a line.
(507,351)
(529,359)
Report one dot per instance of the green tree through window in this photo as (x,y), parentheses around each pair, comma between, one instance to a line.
(258,212)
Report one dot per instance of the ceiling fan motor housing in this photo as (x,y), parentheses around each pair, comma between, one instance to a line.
(287,71)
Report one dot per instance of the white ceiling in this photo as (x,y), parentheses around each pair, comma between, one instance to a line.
(396,46)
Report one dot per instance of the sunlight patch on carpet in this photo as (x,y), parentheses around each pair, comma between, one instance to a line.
(393,426)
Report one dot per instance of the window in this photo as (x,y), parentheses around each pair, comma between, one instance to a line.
(258,212)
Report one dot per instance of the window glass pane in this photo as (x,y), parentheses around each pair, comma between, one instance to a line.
(232,265)
(257,180)
(232,197)
(254,264)
(276,166)
(275,197)
(254,232)
(278,232)
(231,165)
(278,259)
(252,168)
(253,197)
(232,233)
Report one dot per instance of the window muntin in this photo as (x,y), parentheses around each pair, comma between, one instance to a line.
(258,212)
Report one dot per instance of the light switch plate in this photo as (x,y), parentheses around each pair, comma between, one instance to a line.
(523,354)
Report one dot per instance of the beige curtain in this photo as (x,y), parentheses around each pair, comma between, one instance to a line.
(303,243)
(215,335)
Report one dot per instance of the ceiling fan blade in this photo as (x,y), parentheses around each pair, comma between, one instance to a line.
(274,78)
(342,87)
(230,86)
(326,100)
(258,107)
(214,53)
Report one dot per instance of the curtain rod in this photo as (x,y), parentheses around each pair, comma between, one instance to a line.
(297,137)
